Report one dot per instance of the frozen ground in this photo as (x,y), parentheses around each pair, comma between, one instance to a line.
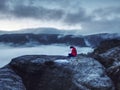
(7,53)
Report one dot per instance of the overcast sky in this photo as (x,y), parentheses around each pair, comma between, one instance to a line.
(88,16)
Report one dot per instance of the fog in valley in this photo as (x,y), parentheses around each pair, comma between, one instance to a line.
(7,53)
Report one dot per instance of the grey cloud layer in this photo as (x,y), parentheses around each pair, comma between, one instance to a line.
(43,9)
(3,6)
(37,13)
(24,11)
(106,13)
(28,9)
(67,11)
(78,17)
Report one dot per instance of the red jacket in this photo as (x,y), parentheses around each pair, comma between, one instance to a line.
(74,51)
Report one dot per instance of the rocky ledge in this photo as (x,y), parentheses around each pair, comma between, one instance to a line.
(41,72)
(108,54)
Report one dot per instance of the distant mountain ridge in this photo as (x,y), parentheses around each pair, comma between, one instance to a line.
(95,39)
(46,36)
(41,31)
(40,39)
(30,39)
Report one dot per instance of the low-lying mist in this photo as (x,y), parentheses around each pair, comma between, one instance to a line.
(7,53)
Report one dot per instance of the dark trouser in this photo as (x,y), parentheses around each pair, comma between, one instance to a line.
(70,55)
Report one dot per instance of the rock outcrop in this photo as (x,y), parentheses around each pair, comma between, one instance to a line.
(108,54)
(40,72)
(9,80)
(111,60)
(106,45)
(111,57)
(91,74)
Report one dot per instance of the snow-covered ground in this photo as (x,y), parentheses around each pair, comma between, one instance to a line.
(7,53)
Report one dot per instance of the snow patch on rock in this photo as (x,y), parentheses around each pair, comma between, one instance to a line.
(61,61)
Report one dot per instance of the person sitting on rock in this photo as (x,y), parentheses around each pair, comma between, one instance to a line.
(73,52)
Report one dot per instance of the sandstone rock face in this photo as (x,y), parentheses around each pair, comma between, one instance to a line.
(61,73)
(9,80)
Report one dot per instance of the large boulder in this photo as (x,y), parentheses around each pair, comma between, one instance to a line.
(108,54)
(44,72)
(91,74)
(106,45)
(114,73)
(61,73)
(111,57)
(9,80)
(111,60)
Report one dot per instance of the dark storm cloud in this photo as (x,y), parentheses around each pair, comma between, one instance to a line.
(21,10)
(101,27)
(3,6)
(40,9)
(37,12)
(78,17)
(108,21)
(108,10)
(61,3)
(107,13)
(66,11)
